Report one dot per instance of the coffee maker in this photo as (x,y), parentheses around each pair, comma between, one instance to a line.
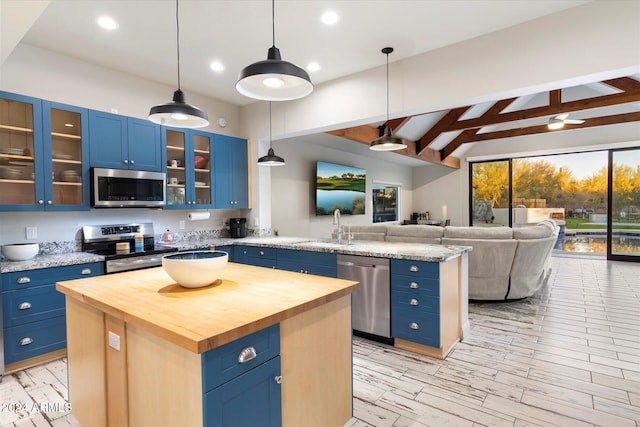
(238,227)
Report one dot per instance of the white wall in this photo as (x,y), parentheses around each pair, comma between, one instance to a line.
(293,188)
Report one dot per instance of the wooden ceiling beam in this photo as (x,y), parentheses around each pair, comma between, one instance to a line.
(555,97)
(548,110)
(441,126)
(365,134)
(532,130)
(625,84)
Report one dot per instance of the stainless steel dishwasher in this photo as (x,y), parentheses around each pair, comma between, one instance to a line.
(371,303)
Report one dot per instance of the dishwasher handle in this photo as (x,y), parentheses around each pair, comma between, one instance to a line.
(368,265)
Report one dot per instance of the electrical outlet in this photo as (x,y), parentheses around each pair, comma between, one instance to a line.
(31,232)
(114,341)
(181,225)
(256,222)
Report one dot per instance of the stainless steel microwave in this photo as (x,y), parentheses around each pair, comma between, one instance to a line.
(121,188)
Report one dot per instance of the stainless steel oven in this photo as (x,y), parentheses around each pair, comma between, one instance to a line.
(117,242)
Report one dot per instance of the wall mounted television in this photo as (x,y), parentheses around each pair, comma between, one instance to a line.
(340,187)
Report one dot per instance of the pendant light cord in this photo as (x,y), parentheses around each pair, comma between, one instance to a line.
(269,124)
(178,42)
(273,23)
(387,87)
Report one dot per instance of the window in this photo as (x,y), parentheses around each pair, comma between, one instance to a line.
(385,202)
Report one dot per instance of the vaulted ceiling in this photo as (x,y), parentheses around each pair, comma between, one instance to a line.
(437,137)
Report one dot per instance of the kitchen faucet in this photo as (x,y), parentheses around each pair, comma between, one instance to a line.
(336,221)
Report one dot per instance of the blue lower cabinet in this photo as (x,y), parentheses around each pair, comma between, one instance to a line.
(33,339)
(252,399)
(227,249)
(416,326)
(310,262)
(31,305)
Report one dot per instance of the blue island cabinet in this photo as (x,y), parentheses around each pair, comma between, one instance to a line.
(309,262)
(241,382)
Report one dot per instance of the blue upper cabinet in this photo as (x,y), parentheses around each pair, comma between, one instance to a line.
(43,155)
(121,142)
(231,172)
(189,176)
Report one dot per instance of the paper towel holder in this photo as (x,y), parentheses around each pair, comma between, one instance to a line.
(198,216)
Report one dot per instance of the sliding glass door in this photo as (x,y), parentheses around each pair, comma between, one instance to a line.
(623,230)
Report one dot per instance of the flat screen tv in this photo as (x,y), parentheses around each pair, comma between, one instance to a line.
(340,187)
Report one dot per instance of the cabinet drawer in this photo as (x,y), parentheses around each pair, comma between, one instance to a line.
(411,268)
(252,399)
(225,362)
(260,252)
(33,339)
(31,305)
(412,302)
(48,276)
(415,285)
(300,267)
(307,257)
(414,326)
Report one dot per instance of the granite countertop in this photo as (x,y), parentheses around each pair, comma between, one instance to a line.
(398,250)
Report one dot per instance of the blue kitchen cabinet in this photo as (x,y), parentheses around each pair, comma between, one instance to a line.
(241,382)
(415,301)
(121,142)
(310,262)
(231,172)
(190,183)
(256,255)
(44,155)
(33,312)
(228,249)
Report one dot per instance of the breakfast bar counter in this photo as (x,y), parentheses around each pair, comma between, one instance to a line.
(138,342)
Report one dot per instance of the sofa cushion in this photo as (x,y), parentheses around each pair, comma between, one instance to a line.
(532,232)
(364,228)
(478,232)
(415,230)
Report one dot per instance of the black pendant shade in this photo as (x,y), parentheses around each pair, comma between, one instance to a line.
(178,113)
(387,142)
(274,79)
(270,159)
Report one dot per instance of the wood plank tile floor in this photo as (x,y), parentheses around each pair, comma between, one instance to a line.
(576,363)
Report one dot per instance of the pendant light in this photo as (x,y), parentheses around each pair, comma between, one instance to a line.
(274,79)
(387,142)
(178,113)
(270,159)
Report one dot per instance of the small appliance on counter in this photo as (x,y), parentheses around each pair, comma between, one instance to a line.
(238,227)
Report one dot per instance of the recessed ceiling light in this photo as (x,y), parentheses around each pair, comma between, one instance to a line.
(107,23)
(216,66)
(313,66)
(330,18)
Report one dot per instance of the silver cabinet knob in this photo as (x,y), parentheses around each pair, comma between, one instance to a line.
(414,268)
(85,271)
(413,285)
(24,279)
(414,325)
(25,341)
(261,253)
(247,354)
(41,202)
(133,162)
(413,301)
(126,161)
(278,379)
(24,305)
(49,202)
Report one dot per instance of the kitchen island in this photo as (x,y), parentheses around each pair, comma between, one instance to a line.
(139,345)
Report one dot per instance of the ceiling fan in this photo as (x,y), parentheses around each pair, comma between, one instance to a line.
(558,122)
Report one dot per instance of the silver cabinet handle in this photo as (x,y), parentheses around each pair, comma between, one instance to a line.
(414,268)
(414,325)
(24,279)
(24,305)
(278,379)
(261,253)
(413,285)
(49,202)
(247,354)
(413,301)
(25,341)
(125,161)
(41,202)
(133,162)
(85,271)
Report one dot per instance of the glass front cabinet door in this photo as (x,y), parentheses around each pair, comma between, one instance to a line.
(189,178)
(43,155)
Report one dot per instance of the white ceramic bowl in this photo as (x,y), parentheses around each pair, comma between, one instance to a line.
(195,269)
(20,251)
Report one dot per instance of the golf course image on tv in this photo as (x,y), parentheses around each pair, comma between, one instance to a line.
(340,187)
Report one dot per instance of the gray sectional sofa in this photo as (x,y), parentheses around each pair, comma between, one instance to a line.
(505,263)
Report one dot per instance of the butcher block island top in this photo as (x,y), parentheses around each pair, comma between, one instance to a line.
(246,299)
